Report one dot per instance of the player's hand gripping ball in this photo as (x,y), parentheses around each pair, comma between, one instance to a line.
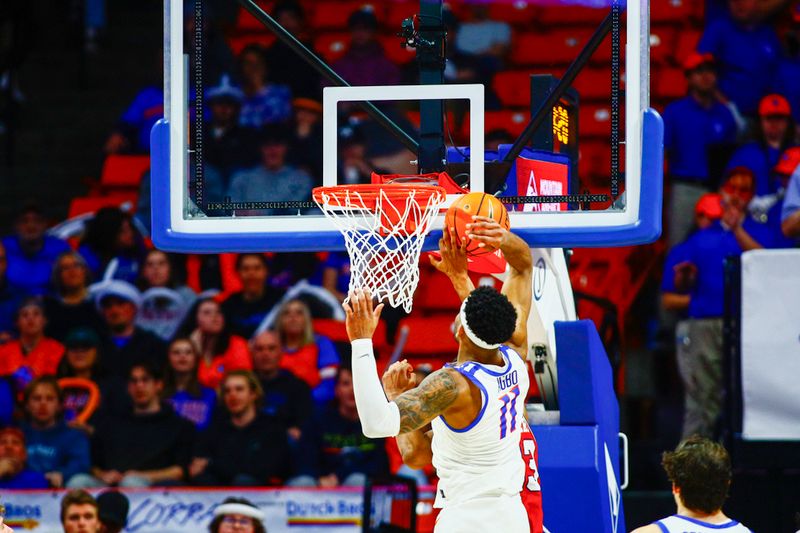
(474,204)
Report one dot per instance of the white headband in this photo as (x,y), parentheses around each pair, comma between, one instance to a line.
(240,509)
(480,343)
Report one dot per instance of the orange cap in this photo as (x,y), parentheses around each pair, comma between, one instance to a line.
(709,205)
(696,59)
(788,162)
(774,104)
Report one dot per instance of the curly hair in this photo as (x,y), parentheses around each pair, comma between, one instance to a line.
(490,315)
(701,470)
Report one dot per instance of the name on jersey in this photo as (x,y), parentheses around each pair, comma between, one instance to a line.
(509,380)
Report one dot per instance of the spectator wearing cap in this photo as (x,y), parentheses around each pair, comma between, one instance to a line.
(263,102)
(125,343)
(182,389)
(70,305)
(82,360)
(774,133)
(243,446)
(287,398)
(80,513)
(54,449)
(693,125)
(333,450)
(285,67)
(32,354)
(790,209)
(149,445)
(273,180)
(771,207)
(30,253)
(365,62)
(227,145)
(246,309)
(304,149)
(112,509)
(220,350)
(237,515)
(111,246)
(746,50)
(10,297)
(14,473)
(701,275)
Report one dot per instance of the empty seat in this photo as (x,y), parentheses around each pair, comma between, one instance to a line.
(594,121)
(686,44)
(332,46)
(669,84)
(673,11)
(429,336)
(247,23)
(571,15)
(332,15)
(594,159)
(662,44)
(397,54)
(557,47)
(512,121)
(124,171)
(90,204)
(594,84)
(435,292)
(516,12)
(513,88)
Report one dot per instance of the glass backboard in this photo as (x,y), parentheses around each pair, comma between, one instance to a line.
(252,124)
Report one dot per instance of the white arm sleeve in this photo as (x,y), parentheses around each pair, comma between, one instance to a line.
(379,417)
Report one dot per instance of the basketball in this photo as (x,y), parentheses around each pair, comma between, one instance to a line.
(475,204)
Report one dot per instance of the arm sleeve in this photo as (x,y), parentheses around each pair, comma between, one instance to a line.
(379,417)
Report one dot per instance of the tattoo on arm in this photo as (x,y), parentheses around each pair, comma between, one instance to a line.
(431,398)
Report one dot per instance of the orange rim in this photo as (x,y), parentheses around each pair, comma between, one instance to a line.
(368,194)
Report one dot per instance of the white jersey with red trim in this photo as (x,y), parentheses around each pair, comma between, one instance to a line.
(496,454)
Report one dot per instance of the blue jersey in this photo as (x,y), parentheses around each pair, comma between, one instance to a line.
(683,524)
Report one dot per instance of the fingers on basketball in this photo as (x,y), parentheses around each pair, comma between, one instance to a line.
(462,212)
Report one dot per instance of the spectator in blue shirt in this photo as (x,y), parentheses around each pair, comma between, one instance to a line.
(10,298)
(787,73)
(692,126)
(774,134)
(747,52)
(54,449)
(30,254)
(132,134)
(264,102)
(14,473)
(769,212)
(182,390)
(790,209)
(702,275)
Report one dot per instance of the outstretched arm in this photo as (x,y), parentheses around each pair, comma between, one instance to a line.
(517,286)
(411,410)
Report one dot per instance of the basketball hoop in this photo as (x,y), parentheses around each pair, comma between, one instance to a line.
(384,227)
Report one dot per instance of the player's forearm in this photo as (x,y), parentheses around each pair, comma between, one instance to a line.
(791,225)
(171,473)
(463,285)
(745,240)
(415,447)
(517,254)
(379,417)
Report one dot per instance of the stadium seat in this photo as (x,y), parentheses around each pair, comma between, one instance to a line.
(512,121)
(594,121)
(333,15)
(672,11)
(513,88)
(570,15)
(335,330)
(430,336)
(594,84)
(397,54)
(686,44)
(82,205)
(237,43)
(517,12)
(398,11)
(558,47)
(332,46)
(669,84)
(662,44)
(247,23)
(435,292)
(124,171)
(594,159)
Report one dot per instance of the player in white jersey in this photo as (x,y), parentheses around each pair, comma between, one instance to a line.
(700,472)
(469,417)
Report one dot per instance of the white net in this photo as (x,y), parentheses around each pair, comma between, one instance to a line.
(384,227)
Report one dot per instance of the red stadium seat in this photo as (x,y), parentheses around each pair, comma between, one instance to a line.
(124,171)
(594,84)
(237,43)
(90,204)
(247,23)
(686,44)
(430,336)
(397,54)
(662,44)
(669,84)
(594,121)
(335,330)
(333,15)
(513,88)
(571,15)
(512,121)
(558,47)
(594,159)
(332,46)
(517,13)
(398,11)
(673,11)
(435,293)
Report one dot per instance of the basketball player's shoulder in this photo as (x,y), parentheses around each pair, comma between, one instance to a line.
(649,528)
